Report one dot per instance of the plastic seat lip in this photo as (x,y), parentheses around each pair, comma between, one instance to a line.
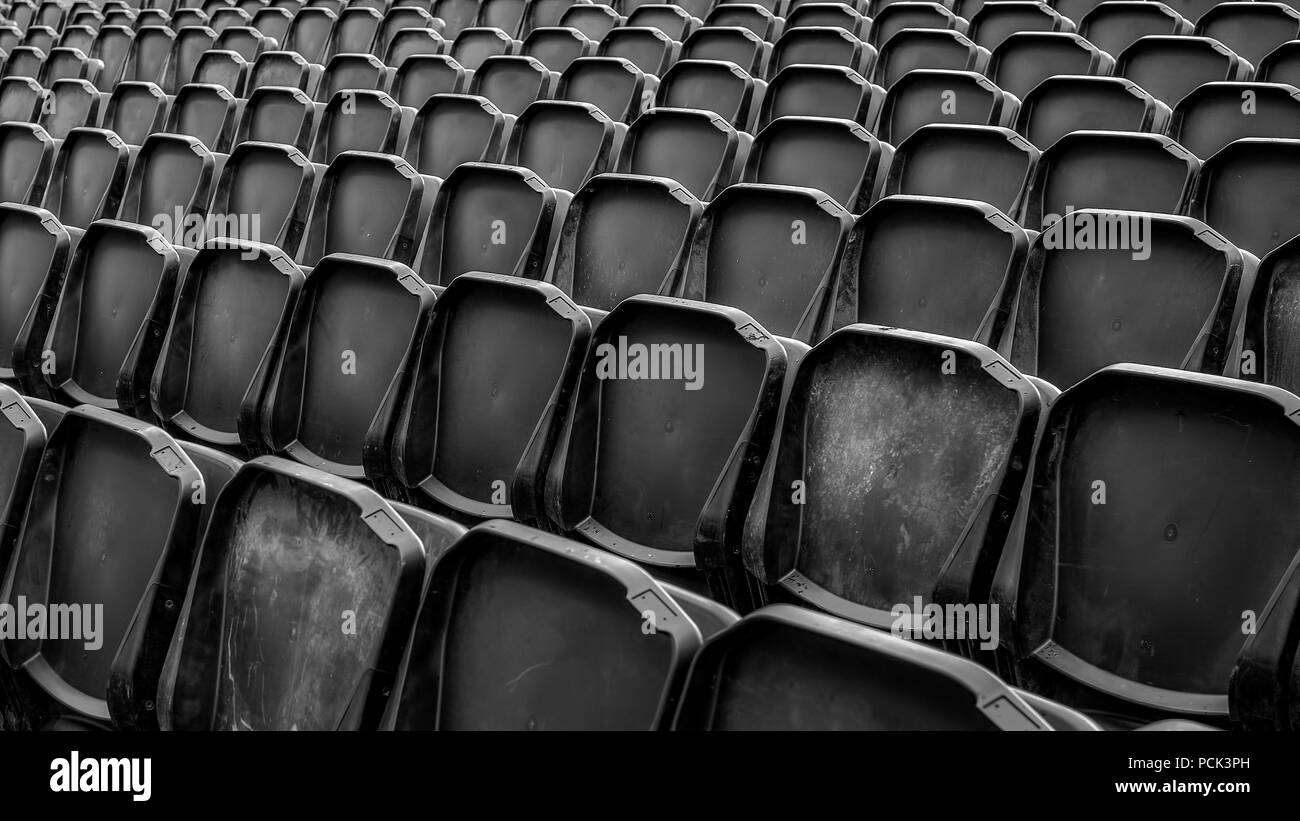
(990,693)
(167,454)
(1124,60)
(174,418)
(1060,418)
(672,620)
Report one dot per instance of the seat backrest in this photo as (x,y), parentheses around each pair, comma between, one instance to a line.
(1063,104)
(136,110)
(711,85)
(822,46)
(26,155)
(1025,59)
(838,157)
(1215,114)
(34,255)
(1252,30)
(911,49)
(73,104)
(309,33)
(278,115)
(1115,25)
(512,82)
(566,144)
(612,84)
(423,75)
(358,120)
(192,42)
(367,204)
(263,195)
(22,99)
(474,45)
(835,92)
(698,149)
(356,31)
(171,180)
(451,129)
(149,55)
(1170,67)
(649,49)
(1247,192)
(557,47)
(89,177)
(973,162)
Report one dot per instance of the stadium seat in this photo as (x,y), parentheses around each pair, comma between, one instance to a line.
(772,251)
(397,19)
(556,47)
(995,22)
(826,15)
(1251,30)
(876,419)
(352,72)
(711,85)
(973,162)
(744,15)
(208,112)
(355,32)
(359,120)
(457,15)
(508,15)
(493,376)
(1024,60)
(424,75)
(278,115)
(612,84)
(73,104)
(1115,25)
(34,255)
(507,602)
(24,61)
(282,536)
(284,68)
(1065,103)
(850,678)
(731,44)
(223,68)
(26,155)
(135,561)
(672,20)
(451,129)
(170,184)
(911,49)
(592,19)
(1249,191)
(564,143)
(474,45)
(1215,114)
(188,49)
(88,179)
(625,235)
(22,99)
(1153,494)
(1094,295)
(1110,170)
(648,49)
(835,92)
(512,83)
(837,157)
(1169,68)
(498,219)
(309,33)
(272,22)
(113,47)
(1255,699)
(81,38)
(660,478)
(135,110)
(698,149)
(231,319)
(925,96)
(263,195)
(369,204)
(895,17)
(149,54)
(822,46)
(245,41)
(898,268)
(226,17)
(410,42)
(345,354)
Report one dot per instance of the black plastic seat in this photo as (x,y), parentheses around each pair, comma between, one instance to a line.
(81,38)
(366,204)
(246,41)
(263,195)
(731,44)
(564,143)
(675,21)
(493,376)
(508,15)
(1169,68)
(135,110)
(397,19)
(474,45)
(995,22)
(1112,170)
(1115,25)
(106,333)
(1268,347)
(358,120)
(150,51)
(284,68)
(1062,104)
(348,344)
(1024,60)
(206,111)
(893,18)
(837,157)
(1111,591)
(974,163)
(625,235)
(68,64)
(135,561)
(535,594)
(925,96)
(309,33)
(34,256)
(355,32)
(513,82)
(1251,30)
(1248,192)
(911,49)
(451,129)
(223,68)
(898,268)
(272,22)
(822,91)
(1102,287)
(457,15)
(24,61)
(592,19)
(72,104)
(267,596)
(850,678)
(26,156)
(556,47)
(278,115)
(410,42)
(113,47)
(88,179)
(744,15)
(612,84)
(231,319)
(648,49)
(170,185)
(225,16)
(539,14)
(22,99)
(185,17)
(352,72)
(188,48)
(823,46)
(424,75)
(772,251)
(861,404)
(710,85)
(657,477)
(1215,114)
(830,15)
(498,219)
(698,149)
